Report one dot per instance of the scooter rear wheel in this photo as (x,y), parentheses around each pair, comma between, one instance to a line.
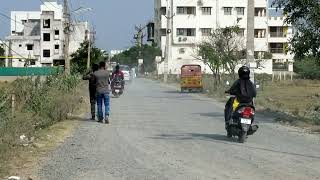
(242,137)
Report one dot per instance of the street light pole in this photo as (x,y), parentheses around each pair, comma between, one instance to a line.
(66,27)
(169,17)
(250,38)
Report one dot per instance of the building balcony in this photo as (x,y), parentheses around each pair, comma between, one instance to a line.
(277,35)
(277,50)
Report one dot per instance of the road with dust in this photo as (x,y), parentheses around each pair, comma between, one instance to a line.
(158,133)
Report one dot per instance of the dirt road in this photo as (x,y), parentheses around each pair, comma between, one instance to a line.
(158,133)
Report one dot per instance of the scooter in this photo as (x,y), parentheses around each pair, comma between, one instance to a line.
(117,87)
(242,123)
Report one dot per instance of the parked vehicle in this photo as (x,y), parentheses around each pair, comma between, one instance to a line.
(242,121)
(191,78)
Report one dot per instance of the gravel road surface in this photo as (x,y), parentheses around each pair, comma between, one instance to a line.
(157,133)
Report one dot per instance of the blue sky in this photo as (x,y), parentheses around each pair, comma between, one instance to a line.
(114,20)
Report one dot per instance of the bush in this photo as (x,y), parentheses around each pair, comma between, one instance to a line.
(307,68)
(39,104)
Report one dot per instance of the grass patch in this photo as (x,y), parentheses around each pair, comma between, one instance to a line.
(299,98)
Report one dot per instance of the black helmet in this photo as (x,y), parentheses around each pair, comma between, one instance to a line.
(244,72)
(117,67)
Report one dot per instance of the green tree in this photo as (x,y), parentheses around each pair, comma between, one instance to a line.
(2,61)
(146,52)
(305,17)
(79,58)
(223,49)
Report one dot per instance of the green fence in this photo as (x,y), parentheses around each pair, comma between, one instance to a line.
(30,71)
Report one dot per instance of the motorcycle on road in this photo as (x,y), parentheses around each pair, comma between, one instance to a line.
(117,87)
(241,123)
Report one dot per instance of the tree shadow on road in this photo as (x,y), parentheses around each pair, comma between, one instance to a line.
(223,139)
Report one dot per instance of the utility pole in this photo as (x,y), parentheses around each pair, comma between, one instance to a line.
(169,17)
(66,27)
(139,41)
(250,38)
(91,40)
(10,54)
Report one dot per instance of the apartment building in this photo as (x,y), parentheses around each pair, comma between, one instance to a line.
(193,20)
(39,36)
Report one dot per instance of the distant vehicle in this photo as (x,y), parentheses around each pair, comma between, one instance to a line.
(191,78)
(126,71)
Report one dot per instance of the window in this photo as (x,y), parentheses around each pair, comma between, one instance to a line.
(186,32)
(46,36)
(227,10)
(29,47)
(46,23)
(278,31)
(182,50)
(240,10)
(57,32)
(260,12)
(163,11)
(259,33)
(241,32)
(206,10)
(46,53)
(186,10)
(277,48)
(163,32)
(56,49)
(206,31)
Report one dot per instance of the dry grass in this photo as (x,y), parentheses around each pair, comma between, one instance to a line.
(22,161)
(39,106)
(295,97)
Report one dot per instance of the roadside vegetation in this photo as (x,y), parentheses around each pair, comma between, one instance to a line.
(80,57)
(37,104)
(146,52)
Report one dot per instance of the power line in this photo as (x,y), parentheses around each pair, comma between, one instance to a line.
(6,16)
(45,4)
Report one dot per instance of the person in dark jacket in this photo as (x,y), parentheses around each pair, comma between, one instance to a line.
(92,89)
(243,90)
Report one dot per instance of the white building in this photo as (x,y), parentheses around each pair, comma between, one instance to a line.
(115,52)
(39,35)
(193,20)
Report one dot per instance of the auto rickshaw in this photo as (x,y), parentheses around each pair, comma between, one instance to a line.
(191,78)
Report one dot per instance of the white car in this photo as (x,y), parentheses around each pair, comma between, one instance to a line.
(126,71)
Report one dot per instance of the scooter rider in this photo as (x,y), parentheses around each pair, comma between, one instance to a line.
(243,90)
(117,73)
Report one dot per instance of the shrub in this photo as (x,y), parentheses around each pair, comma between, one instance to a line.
(39,104)
(307,68)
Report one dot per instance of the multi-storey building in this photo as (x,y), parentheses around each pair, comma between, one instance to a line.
(192,20)
(39,35)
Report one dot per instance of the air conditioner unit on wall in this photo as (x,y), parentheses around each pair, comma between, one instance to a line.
(200,3)
(179,39)
(185,39)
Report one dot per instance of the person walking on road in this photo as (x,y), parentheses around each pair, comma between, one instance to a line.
(102,84)
(92,89)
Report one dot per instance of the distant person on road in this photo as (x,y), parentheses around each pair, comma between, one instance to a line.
(117,73)
(102,83)
(92,89)
(243,89)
